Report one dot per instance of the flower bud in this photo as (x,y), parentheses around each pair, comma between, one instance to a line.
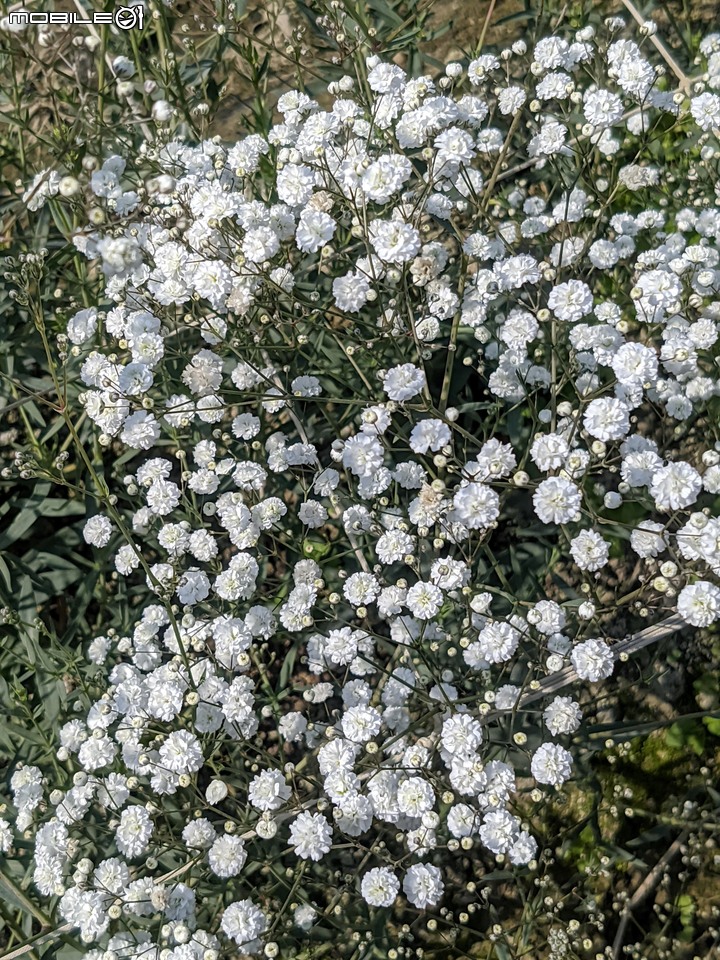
(216,792)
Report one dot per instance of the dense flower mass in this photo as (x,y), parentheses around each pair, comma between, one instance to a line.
(327,361)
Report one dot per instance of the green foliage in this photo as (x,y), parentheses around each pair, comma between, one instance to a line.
(687,734)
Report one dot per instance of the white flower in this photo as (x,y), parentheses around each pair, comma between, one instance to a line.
(424,600)
(45,184)
(648,539)
(571,301)
(181,752)
(705,110)
(97,531)
(268,790)
(403,382)
(551,764)
(363,454)
(199,834)
(140,430)
(385,77)
(314,230)
(462,820)
(499,830)
(461,734)
(305,916)
(360,589)
(510,100)
(449,574)
(635,363)
(602,108)
(243,922)
(563,715)
(360,724)
(593,660)
(312,514)
(547,617)
(133,832)
(260,244)
(429,435)
(85,909)
(699,603)
(423,885)
(385,176)
(306,387)
(675,486)
(552,52)
(523,850)
(351,292)
(394,241)
(638,467)
(311,836)
(557,500)
(82,325)
(589,550)
(192,587)
(393,546)
(507,696)
(96,753)
(497,642)
(380,887)
(292,726)
(479,68)
(549,141)
(476,505)
(135,379)
(549,451)
(340,647)
(415,796)
(607,419)
(295,184)
(227,856)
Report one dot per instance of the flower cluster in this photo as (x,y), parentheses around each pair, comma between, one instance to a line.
(327,652)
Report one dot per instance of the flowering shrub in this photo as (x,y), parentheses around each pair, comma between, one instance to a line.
(339,369)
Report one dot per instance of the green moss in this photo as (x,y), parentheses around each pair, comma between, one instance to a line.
(658,758)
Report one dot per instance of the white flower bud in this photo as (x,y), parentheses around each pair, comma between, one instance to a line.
(216,792)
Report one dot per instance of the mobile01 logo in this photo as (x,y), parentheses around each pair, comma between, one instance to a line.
(124,18)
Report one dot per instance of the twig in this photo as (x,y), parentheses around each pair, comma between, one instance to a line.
(644,890)
(534,161)
(359,555)
(293,416)
(487,193)
(486,24)
(26,399)
(625,647)
(644,638)
(660,47)
(147,132)
(38,941)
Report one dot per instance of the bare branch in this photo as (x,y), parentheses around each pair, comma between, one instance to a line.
(563,678)
(683,79)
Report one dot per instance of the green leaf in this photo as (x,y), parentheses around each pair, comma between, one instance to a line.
(316,549)
(287,667)
(26,516)
(5,573)
(686,733)
(713,725)
(13,894)
(686,908)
